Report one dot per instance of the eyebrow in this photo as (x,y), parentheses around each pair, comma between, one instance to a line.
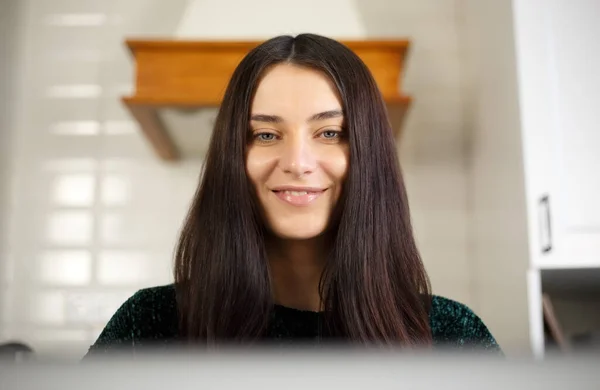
(316,117)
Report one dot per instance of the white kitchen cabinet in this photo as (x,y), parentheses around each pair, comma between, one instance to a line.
(557,46)
(535,164)
(558,58)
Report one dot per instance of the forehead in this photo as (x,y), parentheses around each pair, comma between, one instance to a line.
(288,89)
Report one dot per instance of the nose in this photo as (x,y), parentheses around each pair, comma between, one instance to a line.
(298,156)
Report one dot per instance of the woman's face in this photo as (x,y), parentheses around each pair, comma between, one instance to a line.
(298,154)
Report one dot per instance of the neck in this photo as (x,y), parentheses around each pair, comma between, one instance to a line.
(296,268)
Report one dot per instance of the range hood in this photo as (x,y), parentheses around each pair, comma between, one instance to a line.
(192,75)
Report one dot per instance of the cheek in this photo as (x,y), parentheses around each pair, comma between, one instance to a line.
(336,165)
(259,165)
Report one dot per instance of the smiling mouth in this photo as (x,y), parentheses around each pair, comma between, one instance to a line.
(299,197)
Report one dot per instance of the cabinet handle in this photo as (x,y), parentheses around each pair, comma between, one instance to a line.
(545,224)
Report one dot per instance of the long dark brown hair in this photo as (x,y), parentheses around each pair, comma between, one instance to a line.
(374,288)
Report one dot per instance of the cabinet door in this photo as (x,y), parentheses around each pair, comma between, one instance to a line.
(573,46)
(535,97)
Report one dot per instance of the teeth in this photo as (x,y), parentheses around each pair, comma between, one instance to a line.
(296,193)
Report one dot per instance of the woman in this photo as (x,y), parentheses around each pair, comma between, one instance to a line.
(300,227)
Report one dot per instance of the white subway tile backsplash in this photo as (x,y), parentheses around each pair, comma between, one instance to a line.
(115,232)
(65,56)
(70,165)
(74,190)
(120,165)
(66,267)
(117,90)
(75,128)
(51,111)
(123,267)
(120,128)
(114,110)
(72,343)
(115,190)
(44,7)
(74,91)
(95,332)
(69,227)
(93,307)
(49,308)
(126,146)
(76,19)
(141,229)
(58,76)
(76,37)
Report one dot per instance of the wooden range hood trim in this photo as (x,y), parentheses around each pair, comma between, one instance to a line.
(194,74)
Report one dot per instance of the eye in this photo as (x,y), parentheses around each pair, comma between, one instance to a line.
(265,137)
(331,134)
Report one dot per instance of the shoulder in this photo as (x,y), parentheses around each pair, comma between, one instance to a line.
(152,299)
(454,324)
(149,315)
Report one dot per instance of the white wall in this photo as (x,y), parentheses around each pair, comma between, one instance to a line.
(98,214)
(432,150)
(498,216)
(225,19)
(9,30)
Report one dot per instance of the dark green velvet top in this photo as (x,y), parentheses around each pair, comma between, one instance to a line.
(149,319)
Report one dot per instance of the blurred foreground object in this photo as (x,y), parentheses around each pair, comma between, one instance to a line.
(338,369)
(14,352)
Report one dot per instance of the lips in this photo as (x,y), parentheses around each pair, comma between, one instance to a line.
(298,196)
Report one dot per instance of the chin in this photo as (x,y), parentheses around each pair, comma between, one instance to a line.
(297,233)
